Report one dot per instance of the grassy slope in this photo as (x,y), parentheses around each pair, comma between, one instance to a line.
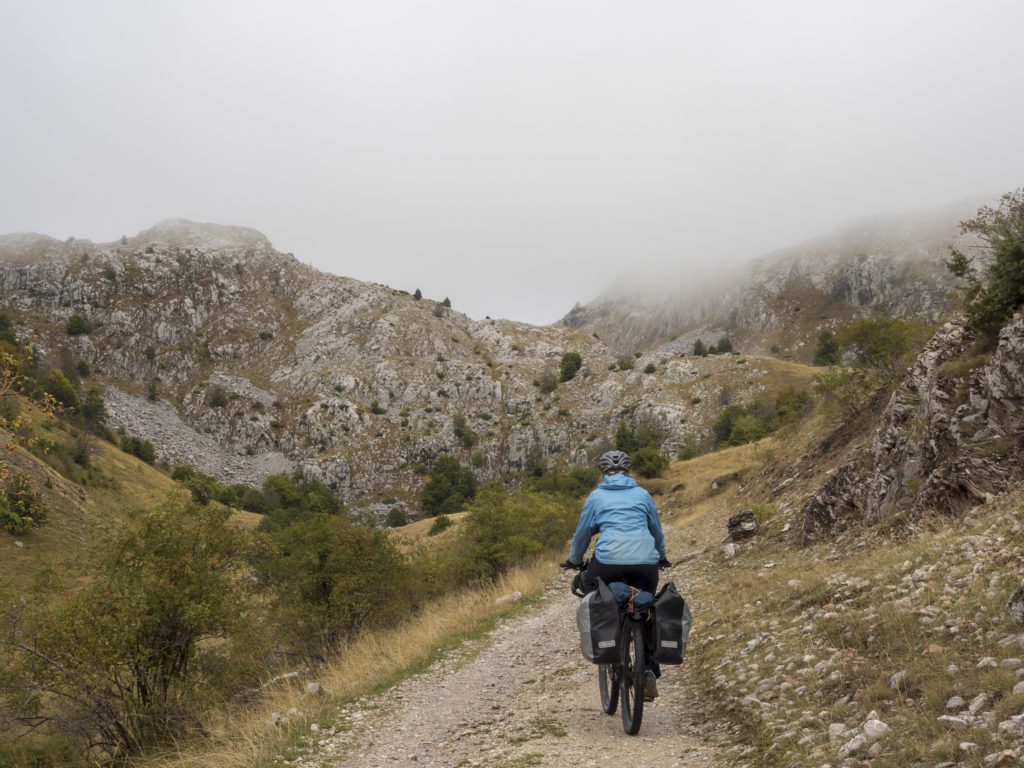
(116,485)
(789,641)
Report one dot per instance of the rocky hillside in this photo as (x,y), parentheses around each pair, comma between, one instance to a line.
(783,299)
(242,361)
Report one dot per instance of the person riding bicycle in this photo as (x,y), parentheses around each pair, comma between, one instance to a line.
(631,547)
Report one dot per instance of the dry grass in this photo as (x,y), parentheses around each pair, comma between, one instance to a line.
(242,738)
(417,534)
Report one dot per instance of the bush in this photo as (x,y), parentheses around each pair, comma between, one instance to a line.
(501,530)
(124,660)
(77,326)
(218,397)
(742,424)
(547,382)
(441,523)
(724,346)
(700,349)
(333,579)
(571,364)
(649,462)
(21,508)
(648,433)
(991,300)
(463,432)
(883,345)
(450,486)
(7,330)
(827,352)
(650,368)
(397,518)
(139,448)
(286,500)
(94,409)
(57,385)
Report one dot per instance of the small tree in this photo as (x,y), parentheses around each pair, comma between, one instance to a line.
(990,302)
(649,462)
(465,434)
(123,659)
(450,486)
(724,345)
(699,348)
(397,517)
(447,302)
(78,325)
(827,352)
(93,408)
(417,294)
(56,384)
(571,364)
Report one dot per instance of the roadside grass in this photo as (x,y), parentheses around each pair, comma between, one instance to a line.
(243,736)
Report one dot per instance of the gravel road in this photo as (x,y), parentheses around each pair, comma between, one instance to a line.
(521,696)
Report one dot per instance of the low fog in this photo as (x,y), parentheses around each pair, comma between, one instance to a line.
(515,156)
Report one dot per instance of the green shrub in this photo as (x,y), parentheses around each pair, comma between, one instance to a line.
(501,530)
(742,424)
(547,382)
(571,364)
(126,660)
(397,518)
(649,462)
(463,432)
(21,508)
(647,433)
(141,449)
(286,500)
(441,523)
(991,300)
(217,397)
(7,333)
(93,408)
(883,345)
(449,488)
(57,385)
(77,326)
(333,579)
(700,349)
(376,409)
(650,368)
(625,363)
(827,352)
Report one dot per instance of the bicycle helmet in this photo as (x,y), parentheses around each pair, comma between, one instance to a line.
(614,461)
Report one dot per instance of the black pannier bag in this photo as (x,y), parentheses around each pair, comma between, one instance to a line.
(597,618)
(671,625)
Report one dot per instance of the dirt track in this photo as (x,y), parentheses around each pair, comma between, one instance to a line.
(521,696)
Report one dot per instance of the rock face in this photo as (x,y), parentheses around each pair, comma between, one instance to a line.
(949,436)
(242,361)
(893,262)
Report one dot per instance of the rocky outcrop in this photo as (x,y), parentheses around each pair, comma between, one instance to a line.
(241,360)
(950,435)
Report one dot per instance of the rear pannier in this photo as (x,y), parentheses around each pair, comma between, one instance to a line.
(671,625)
(598,620)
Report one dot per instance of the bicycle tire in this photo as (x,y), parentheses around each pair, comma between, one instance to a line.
(608,683)
(631,674)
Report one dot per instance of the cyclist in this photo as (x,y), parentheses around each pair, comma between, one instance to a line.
(631,547)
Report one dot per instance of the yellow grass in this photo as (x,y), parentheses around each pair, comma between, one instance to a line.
(242,738)
(409,537)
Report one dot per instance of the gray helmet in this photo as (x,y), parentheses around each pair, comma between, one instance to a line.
(614,461)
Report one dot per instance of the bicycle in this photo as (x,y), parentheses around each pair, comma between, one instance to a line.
(622,683)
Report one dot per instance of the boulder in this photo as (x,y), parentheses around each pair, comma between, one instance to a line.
(743,525)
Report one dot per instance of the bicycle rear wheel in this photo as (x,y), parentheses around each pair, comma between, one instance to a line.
(608,682)
(631,673)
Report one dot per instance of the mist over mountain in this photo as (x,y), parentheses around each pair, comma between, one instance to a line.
(890,262)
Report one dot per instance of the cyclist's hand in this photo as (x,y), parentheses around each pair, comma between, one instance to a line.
(569,565)
(663,563)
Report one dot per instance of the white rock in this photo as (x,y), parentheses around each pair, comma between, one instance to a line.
(514,597)
(956,702)
(730,550)
(978,703)
(874,730)
(313,689)
(896,680)
(854,745)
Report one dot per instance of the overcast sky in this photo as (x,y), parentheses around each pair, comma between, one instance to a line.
(516,156)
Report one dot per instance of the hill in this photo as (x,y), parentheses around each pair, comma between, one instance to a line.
(782,300)
(240,360)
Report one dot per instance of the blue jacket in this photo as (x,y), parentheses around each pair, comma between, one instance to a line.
(627,519)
